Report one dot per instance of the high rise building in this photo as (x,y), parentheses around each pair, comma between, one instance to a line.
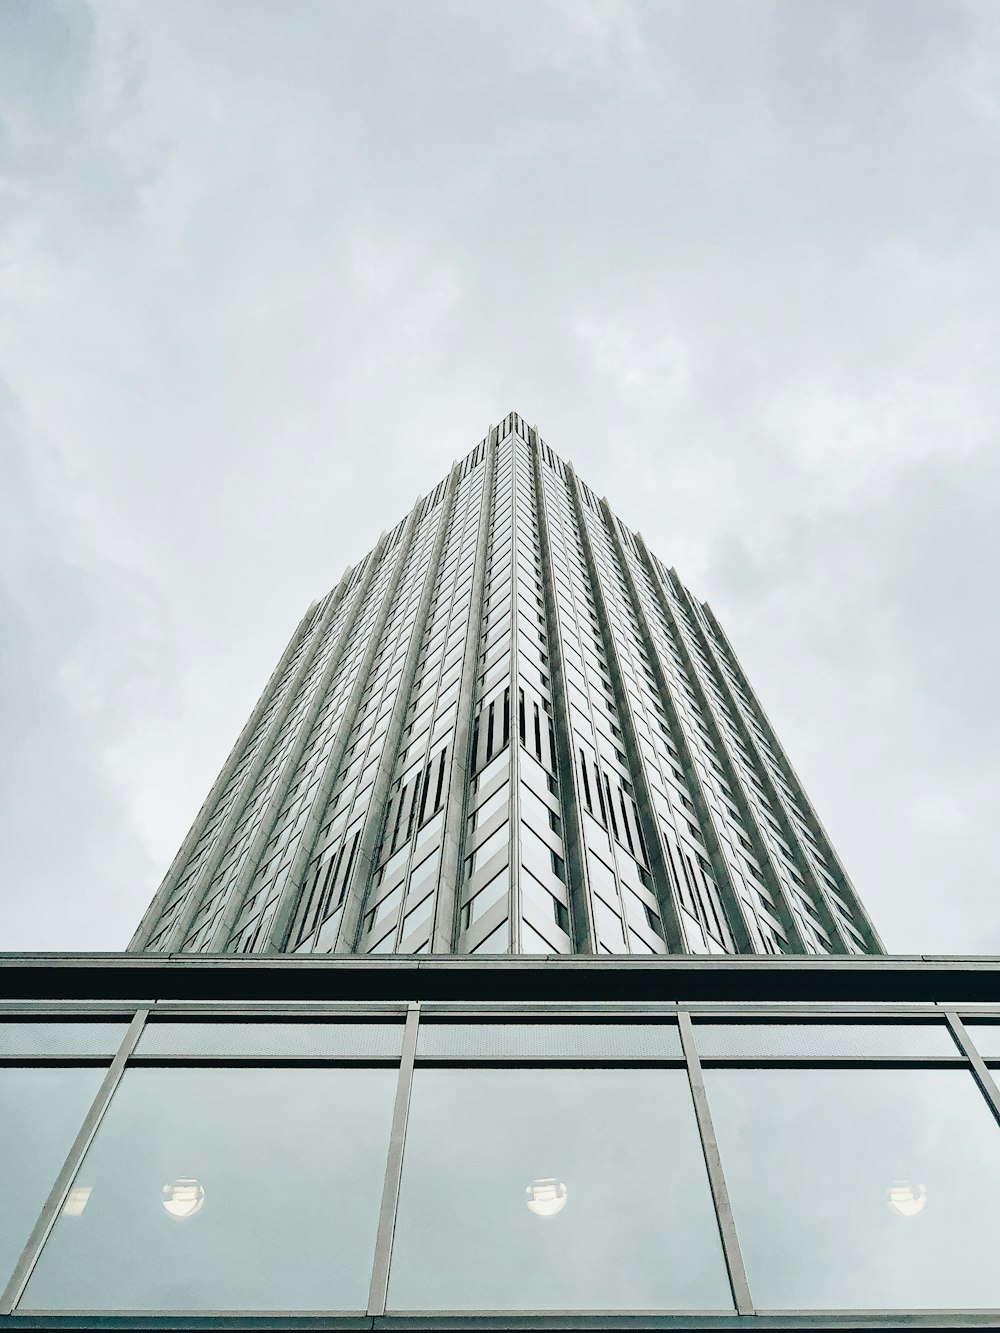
(509,729)
(506,980)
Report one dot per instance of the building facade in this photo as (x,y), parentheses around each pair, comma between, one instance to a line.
(506,980)
(509,729)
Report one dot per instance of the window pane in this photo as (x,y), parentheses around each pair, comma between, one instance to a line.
(985,1038)
(861,1188)
(572,1041)
(827,1040)
(36,1038)
(226,1189)
(41,1112)
(369,1040)
(554,1189)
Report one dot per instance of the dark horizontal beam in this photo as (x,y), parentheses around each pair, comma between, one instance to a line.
(479,1323)
(140,978)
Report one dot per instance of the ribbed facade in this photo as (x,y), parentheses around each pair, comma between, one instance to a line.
(509,729)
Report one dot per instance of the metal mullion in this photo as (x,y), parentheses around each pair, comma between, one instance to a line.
(393,1168)
(199,1060)
(716,1177)
(832,1061)
(980,1071)
(815,1013)
(553,1062)
(57,1059)
(518,539)
(57,1195)
(582,930)
(445,923)
(367,1011)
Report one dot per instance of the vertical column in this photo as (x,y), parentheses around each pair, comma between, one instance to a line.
(581,915)
(713,1163)
(484,891)
(844,886)
(357,884)
(652,835)
(702,810)
(445,928)
(147,926)
(761,851)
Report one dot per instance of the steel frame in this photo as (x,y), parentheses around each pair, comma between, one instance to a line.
(256,1000)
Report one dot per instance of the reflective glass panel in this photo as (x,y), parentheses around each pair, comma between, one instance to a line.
(225,1189)
(824,1040)
(554,1189)
(44,1038)
(985,1038)
(571,1041)
(41,1112)
(367,1040)
(861,1188)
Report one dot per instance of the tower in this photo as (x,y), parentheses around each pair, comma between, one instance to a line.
(505,980)
(509,729)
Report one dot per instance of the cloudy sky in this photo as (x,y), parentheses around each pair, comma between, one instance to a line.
(266,269)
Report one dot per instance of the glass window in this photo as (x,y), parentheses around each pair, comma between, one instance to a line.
(41,1112)
(369,1040)
(47,1038)
(824,1039)
(226,1189)
(490,806)
(496,842)
(985,1038)
(571,1041)
(554,1189)
(488,896)
(861,1188)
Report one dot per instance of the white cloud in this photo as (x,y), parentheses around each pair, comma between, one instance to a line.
(261,280)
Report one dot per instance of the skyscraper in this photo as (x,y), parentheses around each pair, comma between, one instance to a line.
(509,728)
(506,980)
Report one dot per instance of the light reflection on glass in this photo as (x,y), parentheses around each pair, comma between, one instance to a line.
(905,1198)
(546,1197)
(860,1188)
(76,1200)
(183,1198)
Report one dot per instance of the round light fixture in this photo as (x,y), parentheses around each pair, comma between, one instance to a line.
(905,1198)
(545,1198)
(183,1198)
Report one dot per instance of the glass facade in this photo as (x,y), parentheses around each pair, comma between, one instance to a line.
(406,1160)
(509,729)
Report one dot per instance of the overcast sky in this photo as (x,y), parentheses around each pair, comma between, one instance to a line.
(267,269)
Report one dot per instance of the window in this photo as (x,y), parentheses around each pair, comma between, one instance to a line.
(40,1112)
(528,1204)
(860,1187)
(274,1177)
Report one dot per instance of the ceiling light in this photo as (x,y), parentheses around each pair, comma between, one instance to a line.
(183,1198)
(545,1198)
(905,1198)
